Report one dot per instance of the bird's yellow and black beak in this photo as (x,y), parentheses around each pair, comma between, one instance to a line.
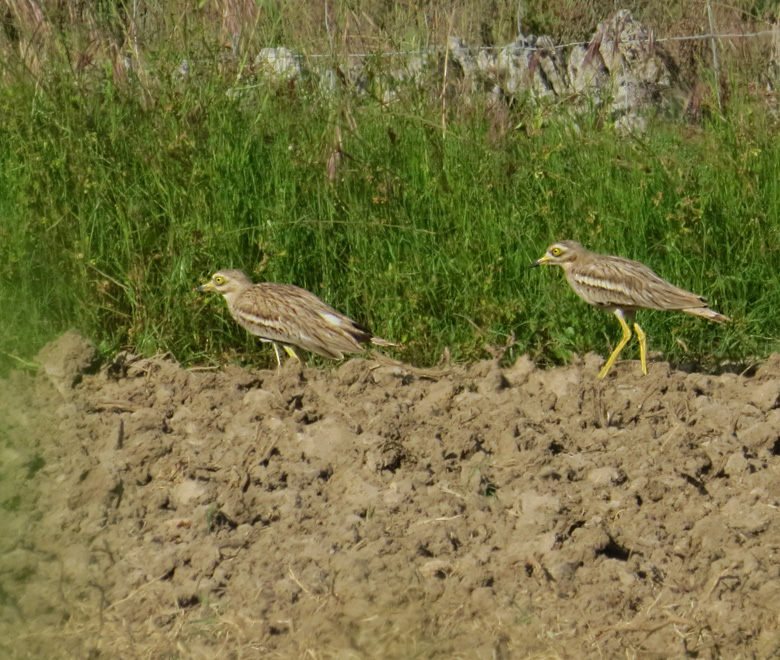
(541,262)
(203,288)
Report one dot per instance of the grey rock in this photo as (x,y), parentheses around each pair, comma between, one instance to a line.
(280,63)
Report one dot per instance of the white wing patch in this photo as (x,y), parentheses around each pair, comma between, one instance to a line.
(607,285)
(259,320)
(332,320)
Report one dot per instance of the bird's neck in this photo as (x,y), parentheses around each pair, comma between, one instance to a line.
(230,298)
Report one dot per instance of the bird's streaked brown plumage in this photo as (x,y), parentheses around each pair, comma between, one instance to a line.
(288,315)
(622,286)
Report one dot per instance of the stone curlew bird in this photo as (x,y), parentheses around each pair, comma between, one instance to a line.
(288,315)
(622,286)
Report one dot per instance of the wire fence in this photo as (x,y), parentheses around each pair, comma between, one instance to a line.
(649,38)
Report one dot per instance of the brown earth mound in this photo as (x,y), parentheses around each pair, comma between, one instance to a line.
(151,511)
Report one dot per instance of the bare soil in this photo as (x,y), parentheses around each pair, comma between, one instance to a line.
(371,511)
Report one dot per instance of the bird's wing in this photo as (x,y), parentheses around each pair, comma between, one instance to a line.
(618,282)
(290,315)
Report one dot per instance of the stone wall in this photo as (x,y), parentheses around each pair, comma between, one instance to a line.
(621,68)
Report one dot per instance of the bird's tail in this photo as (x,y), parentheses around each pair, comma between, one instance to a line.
(378,341)
(707,313)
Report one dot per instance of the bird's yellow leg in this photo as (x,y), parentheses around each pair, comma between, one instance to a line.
(621,344)
(642,347)
(287,349)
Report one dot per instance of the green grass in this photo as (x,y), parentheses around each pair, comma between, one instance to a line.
(113,206)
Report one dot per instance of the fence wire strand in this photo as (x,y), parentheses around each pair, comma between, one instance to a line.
(692,37)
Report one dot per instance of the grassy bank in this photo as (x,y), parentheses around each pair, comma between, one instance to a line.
(112,213)
(116,200)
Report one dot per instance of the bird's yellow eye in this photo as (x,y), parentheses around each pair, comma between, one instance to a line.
(219,280)
(556,252)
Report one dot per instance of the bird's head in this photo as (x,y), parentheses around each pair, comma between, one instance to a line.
(226,282)
(560,254)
